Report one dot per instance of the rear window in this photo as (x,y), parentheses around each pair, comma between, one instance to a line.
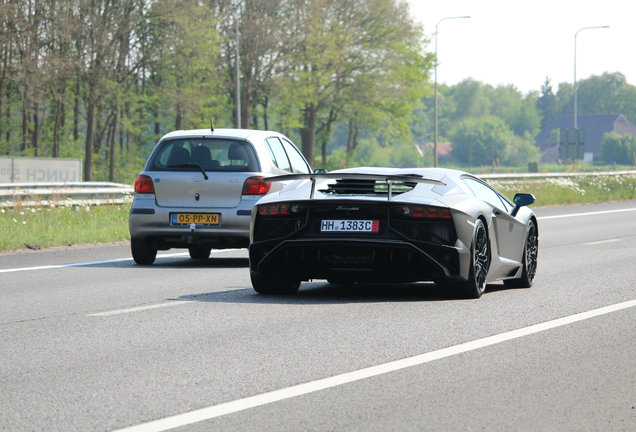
(211,154)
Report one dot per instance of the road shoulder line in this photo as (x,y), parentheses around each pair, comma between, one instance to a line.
(243,404)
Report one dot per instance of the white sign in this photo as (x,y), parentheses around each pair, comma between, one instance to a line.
(39,170)
(5,169)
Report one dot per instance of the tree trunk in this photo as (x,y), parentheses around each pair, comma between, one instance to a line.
(25,123)
(57,127)
(88,148)
(326,135)
(113,147)
(8,134)
(76,108)
(308,132)
(2,88)
(352,139)
(36,127)
(265,119)
(178,121)
(121,130)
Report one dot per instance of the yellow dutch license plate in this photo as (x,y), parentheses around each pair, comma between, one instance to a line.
(195,218)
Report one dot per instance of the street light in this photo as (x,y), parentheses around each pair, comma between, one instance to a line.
(575,35)
(238,77)
(435,116)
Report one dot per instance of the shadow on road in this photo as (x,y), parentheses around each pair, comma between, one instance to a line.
(325,293)
(175,263)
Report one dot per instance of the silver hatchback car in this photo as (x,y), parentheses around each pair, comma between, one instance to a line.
(198,188)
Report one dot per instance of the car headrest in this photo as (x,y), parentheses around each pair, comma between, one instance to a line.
(179,156)
(237,152)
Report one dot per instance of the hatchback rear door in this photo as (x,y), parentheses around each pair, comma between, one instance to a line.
(179,169)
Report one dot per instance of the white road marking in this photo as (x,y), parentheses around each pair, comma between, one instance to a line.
(82,264)
(139,308)
(222,409)
(594,243)
(92,263)
(586,214)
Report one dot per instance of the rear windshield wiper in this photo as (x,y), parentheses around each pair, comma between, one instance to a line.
(190,165)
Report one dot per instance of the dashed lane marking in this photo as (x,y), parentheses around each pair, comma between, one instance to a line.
(94,263)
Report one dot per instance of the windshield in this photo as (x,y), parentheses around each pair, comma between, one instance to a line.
(209,154)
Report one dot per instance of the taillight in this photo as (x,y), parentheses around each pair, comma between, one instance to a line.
(144,185)
(256,186)
(422,212)
(281,209)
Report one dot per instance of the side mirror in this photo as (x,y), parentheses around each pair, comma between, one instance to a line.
(522,199)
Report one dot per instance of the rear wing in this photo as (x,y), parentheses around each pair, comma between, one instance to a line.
(388,178)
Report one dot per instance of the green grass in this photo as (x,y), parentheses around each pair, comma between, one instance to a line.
(543,168)
(42,227)
(47,226)
(571,190)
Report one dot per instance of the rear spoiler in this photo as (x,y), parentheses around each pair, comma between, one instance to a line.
(414,178)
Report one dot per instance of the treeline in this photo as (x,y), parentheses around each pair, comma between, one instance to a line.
(348,80)
(102,79)
(497,125)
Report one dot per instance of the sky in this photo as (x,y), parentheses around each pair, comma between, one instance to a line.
(521,43)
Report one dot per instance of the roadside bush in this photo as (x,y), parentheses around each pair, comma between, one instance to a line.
(618,149)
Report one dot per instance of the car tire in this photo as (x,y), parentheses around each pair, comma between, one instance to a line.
(143,251)
(480,259)
(199,252)
(530,254)
(273,284)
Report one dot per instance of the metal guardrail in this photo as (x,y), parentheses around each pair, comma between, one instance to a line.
(99,193)
(526,176)
(64,194)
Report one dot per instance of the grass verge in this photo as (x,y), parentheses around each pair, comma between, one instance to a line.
(49,226)
(572,190)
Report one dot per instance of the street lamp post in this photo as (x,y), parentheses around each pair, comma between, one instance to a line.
(238,76)
(435,68)
(575,35)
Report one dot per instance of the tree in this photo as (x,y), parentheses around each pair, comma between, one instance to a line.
(183,63)
(547,104)
(469,99)
(262,43)
(481,140)
(340,48)
(618,149)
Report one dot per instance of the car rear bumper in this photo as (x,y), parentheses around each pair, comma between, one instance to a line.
(153,223)
(357,260)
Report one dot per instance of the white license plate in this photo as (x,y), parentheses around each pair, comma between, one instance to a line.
(349,225)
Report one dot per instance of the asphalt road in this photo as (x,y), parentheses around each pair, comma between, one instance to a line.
(90,341)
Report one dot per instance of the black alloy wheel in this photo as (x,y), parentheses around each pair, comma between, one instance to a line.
(475,286)
(530,255)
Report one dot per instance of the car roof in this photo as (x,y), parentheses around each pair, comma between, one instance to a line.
(219,133)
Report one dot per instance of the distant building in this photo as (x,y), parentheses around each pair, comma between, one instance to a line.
(443,149)
(594,127)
